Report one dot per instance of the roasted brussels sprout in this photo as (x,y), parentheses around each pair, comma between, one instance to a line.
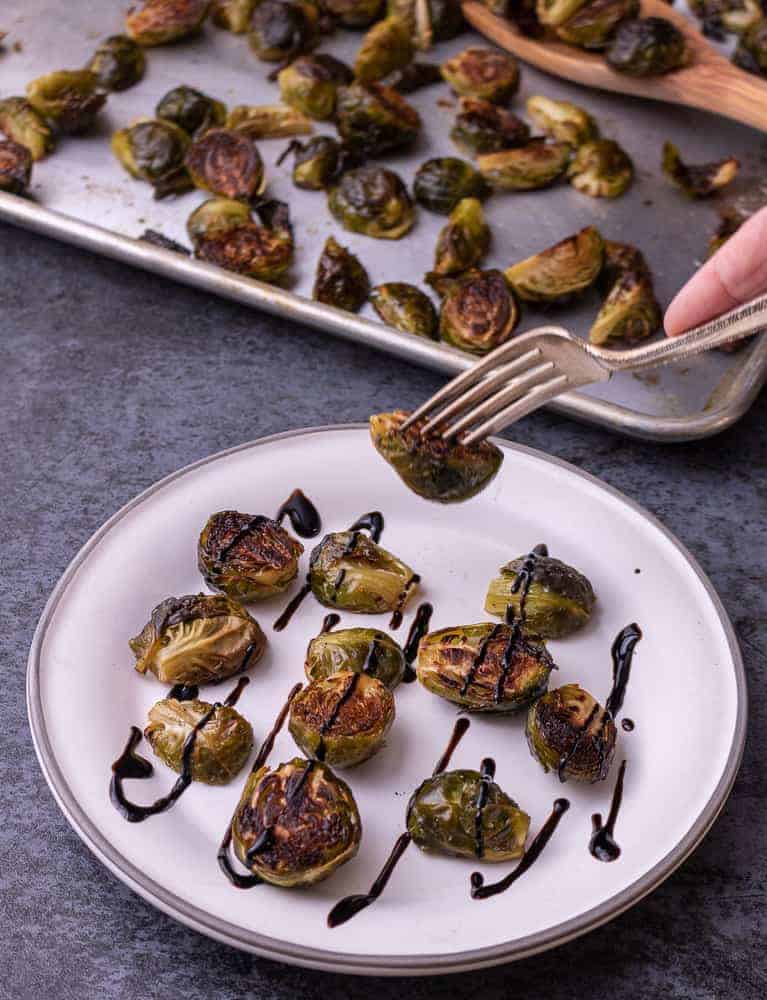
(569,732)
(442,182)
(161,21)
(15,167)
(198,639)
(296,824)
(356,650)
(375,119)
(720,17)
(593,25)
(354,13)
(373,201)
(484,667)
(430,466)
(751,53)
(466,814)
(464,241)
(267,121)
(221,746)
(257,251)
(560,271)
(554,599)
(318,162)
(215,217)
(310,84)
(647,46)
(630,311)
(233,15)
(386,47)
(730,222)
(247,557)
(479,313)
(414,76)
(227,163)
(351,572)
(342,719)
(281,29)
(485,73)
(555,12)
(601,169)
(154,151)
(406,308)
(191,110)
(19,121)
(698,181)
(70,98)
(118,63)
(526,168)
(483,127)
(341,279)
(620,258)
(562,120)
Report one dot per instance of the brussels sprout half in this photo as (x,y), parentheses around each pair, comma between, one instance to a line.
(318,162)
(483,127)
(70,98)
(567,268)
(221,746)
(226,163)
(154,151)
(197,639)
(280,29)
(22,123)
(386,47)
(233,15)
(15,167)
(406,308)
(373,201)
(649,46)
(267,121)
(484,667)
(253,250)
(552,13)
(751,53)
(698,181)
(621,258)
(562,120)
(357,650)
(375,119)
(341,279)
(526,168)
(485,73)
(593,25)
(190,109)
(478,313)
(414,76)
(349,571)
(117,63)
(354,13)
(436,469)
(215,217)
(569,732)
(157,22)
(464,241)
(601,169)
(630,312)
(442,182)
(296,824)
(444,815)
(310,84)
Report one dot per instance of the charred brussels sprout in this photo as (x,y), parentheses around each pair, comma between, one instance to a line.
(436,469)
(527,168)
(342,719)
(444,816)
(318,162)
(197,639)
(552,13)
(464,241)
(267,121)
(601,169)
(247,557)
(558,601)
(570,733)
(15,167)
(594,24)
(619,259)
(485,73)
(70,98)
(221,746)
(562,120)
(375,119)
(414,76)
(296,824)
(386,47)
(310,84)
(22,123)
(751,53)
(255,251)
(720,17)
(698,181)
(630,311)
(483,127)
(227,163)
(648,46)
(373,201)
(478,314)
(567,268)
(341,279)
(730,222)
(280,30)
(118,63)
(215,217)
(406,308)
(160,21)
(484,667)
(350,572)
(354,13)
(356,650)
(441,183)
(191,110)
(233,15)
(154,151)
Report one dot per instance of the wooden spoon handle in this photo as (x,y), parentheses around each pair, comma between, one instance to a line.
(725,90)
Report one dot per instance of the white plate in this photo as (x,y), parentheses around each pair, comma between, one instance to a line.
(687,697)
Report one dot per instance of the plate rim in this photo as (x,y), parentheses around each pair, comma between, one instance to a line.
(338,961)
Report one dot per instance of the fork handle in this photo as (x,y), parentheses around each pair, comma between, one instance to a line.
(734,325)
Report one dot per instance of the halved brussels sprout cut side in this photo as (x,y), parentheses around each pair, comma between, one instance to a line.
(226,163)
(22,123)
(593,25)
(567,268)
(485,73)
(649,46)
(375,119)
(386,47)
(601,169)
(406,308)
(483,127)
(341,279)
(357,650)
(158,22)
(15,167)
(70,98)
(154,151)
(464,241)
(569,732)
(562,120)
(478,313)
(441,183)
(526,168)
(698,181)
(373,201)
(351,572)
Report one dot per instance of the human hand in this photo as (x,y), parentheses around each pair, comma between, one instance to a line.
(735,274)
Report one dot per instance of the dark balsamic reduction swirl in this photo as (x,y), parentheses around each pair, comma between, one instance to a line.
(396,618)
(184,692)
(602,845)
(627,725)
(622,653)
(418,630)
(329,622)
(486,775)
(372,522)
(303,515)
(328,723)
(284,619)
(524,579)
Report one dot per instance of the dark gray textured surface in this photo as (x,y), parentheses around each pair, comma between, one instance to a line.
(109,380)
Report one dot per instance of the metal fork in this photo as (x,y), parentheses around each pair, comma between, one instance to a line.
(529,371)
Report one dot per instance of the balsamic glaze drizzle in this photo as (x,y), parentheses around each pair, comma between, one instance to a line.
(565,759)
(486,774)
(329,622)
(622,654)
(627,725)
(372,522)
(418,630)
(327,724)
(396,618)
(524,579)
(349,906)
(254,523)
(265,839)
(304,516)
(602,845)
(515,635)
(224,862)
(481,891)
(184,692)
(479,659)
(292,607)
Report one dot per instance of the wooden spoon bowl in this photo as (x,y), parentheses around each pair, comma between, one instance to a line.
(710,81)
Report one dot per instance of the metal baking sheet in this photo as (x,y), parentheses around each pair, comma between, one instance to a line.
(82,196)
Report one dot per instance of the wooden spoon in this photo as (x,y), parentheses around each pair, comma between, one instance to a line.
(710,81)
